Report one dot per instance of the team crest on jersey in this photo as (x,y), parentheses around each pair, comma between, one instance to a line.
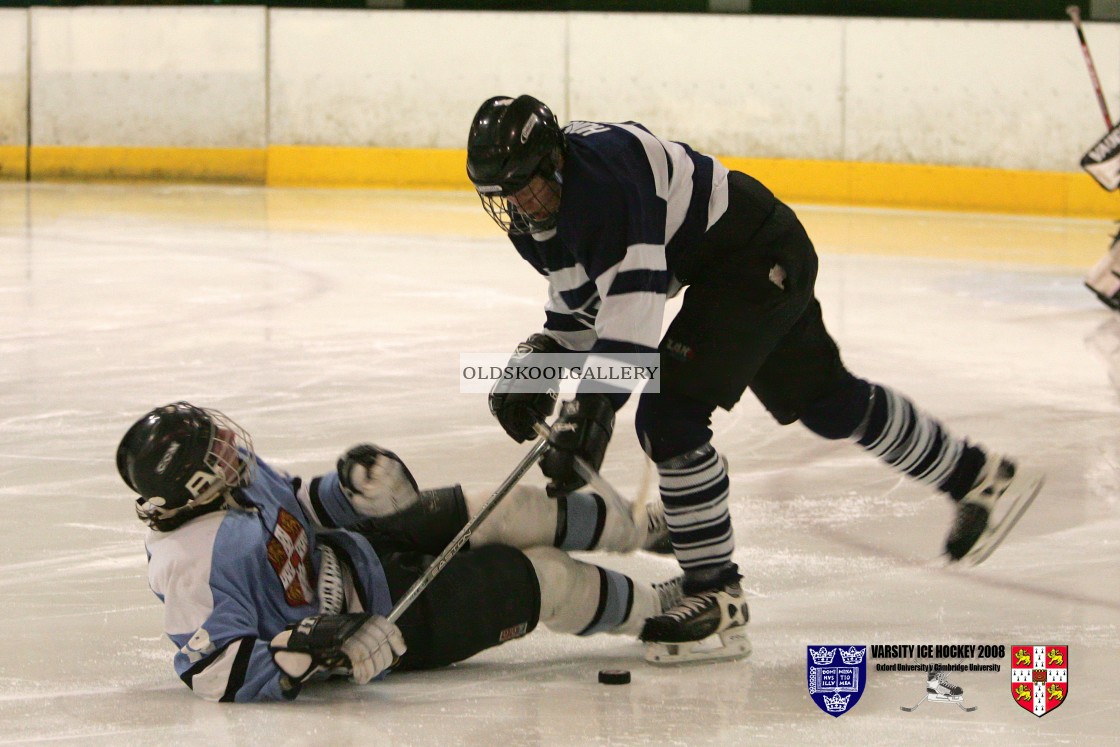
(1039,677)
(288,553)
(837,675)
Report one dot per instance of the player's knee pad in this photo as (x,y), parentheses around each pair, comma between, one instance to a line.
(569,589)
(526,517)
(584,599)
(840,413)
(669,424)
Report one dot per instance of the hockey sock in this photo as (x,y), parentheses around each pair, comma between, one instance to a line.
(917,445)
(581,518)
(584,599)
(577,521)
(587,521)
(694,488)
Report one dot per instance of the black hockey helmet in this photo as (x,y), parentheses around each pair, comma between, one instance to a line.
(511,141)
(182,460)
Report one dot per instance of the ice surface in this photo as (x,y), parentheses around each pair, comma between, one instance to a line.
(318,319)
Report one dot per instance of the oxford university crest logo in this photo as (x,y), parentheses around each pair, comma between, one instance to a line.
(836,675)
(1039,677)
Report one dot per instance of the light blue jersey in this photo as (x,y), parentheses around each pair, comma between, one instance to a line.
(233,579)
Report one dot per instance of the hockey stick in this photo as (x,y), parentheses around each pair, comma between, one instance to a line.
(1074,13)
(456,544)
(911,710)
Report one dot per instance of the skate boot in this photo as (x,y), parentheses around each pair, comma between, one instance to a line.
(708,625)
(940,689)
(1002,493)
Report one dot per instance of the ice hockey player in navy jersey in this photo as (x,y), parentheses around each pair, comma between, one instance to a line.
(270,582)
(618,220)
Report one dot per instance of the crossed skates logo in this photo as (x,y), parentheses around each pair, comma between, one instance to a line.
(940,690)
(1039,677)
(836,686)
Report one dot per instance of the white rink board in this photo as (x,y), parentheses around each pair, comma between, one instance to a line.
(405,79)
(143,76)
(966,93)
(975,93)
(13,77)
(761,86)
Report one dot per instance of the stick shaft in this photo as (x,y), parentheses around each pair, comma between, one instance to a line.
(465,533)
(1075,15)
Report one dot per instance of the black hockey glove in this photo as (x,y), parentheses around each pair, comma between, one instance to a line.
(583,430)
(515,408)
(376,481)
(362,645)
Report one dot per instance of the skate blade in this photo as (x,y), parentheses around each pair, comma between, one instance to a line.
(732,643)
(1031,486)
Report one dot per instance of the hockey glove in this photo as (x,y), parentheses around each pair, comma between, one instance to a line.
(519,410)
(375,481)
(582,430)
(361,645)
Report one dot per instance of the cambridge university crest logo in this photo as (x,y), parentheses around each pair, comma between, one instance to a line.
(1039,677)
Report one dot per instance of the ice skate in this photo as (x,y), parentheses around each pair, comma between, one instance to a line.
(941,690)
(706,626)
(1002,494)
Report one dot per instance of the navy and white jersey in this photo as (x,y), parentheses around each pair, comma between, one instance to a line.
(632,205)
(233,579)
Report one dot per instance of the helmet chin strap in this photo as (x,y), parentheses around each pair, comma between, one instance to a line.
(165,520)
(222,497)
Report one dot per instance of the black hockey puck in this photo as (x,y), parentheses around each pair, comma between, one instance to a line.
(614,676)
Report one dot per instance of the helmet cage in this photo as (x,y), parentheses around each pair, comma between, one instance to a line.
(543,192)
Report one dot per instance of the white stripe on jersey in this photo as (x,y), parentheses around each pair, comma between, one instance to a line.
(577,341)
(631,317)
(677,190)
(557,304)
(643,257)
(212,681)
(637,316)
(717,202)
(568,278)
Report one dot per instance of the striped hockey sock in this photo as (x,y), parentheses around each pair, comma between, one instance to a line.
(581,518)
(917,445)
(694,489)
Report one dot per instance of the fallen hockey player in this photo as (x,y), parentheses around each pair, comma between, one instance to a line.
(270,582)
